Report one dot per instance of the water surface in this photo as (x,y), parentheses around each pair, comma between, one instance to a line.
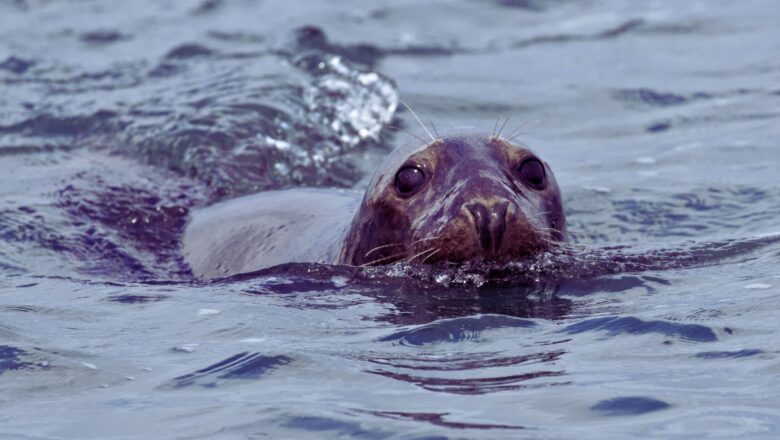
(660,120)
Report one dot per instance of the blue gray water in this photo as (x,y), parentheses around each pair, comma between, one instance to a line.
(660,119)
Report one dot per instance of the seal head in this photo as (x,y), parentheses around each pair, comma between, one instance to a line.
(457,199)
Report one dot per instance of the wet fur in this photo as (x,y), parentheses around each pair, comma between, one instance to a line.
(462,171)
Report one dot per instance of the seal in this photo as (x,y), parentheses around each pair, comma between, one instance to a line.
(455,199)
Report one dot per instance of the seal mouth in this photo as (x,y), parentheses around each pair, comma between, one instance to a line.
(490,224)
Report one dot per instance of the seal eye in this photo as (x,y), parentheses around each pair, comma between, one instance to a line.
(532,172)
(408,180)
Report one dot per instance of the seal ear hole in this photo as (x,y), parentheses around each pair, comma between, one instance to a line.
(532,173)
(409,180)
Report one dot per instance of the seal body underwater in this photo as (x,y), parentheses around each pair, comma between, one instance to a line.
(455,199)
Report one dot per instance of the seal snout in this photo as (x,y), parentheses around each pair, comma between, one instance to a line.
(490,222)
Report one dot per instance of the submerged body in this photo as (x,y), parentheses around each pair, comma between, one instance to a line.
(455,199)
(267,229)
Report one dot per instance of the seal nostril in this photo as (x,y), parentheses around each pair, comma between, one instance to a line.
(490,223)
(498,223)
(482,222)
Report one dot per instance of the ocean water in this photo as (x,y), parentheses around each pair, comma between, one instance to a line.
(661,120)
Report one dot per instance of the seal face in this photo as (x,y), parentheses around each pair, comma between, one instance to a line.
(457,199)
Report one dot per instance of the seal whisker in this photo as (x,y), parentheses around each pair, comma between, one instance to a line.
(405,252)
(541,213)
(548,230)
(420,241)
(379,260)
(429,256)
(547,235)
(511,139)
(435,130)
(409,132)
(550,241)
(381,247)
(411,259)
(495,126)
(504,124)
(512,134)
(512,113)
(418,119)
(570,247)
(564,245)
(547,239)
(568,231)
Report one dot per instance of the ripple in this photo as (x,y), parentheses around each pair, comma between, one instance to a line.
(437,419)
(51,125)
(617,30)
(127,224)
(313,38)
(477,385)
(246,366)
(16,65)
(629,406)
(208,6)
(650,97)
(238,122)
(615,325)
(189,50)
(22,309)
(728,354)
(462,362)
(10,359)
(137,299)
(257,124)
(456,330)
(659,126)
(102,36)
(528,5)
(699,212)
(324,424)
(580,287)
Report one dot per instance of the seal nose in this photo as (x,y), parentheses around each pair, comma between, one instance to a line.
(490,222)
